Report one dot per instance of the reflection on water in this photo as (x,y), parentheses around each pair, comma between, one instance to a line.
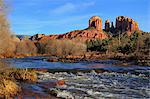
(40,62)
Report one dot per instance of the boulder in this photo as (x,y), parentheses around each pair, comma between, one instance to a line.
(60,94)
(60,83)
(52,83)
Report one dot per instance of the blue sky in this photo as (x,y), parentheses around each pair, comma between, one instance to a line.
(60,16)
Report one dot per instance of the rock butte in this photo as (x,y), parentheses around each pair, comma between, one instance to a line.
(95,22)
(126,24)
(95,31)
(107,25)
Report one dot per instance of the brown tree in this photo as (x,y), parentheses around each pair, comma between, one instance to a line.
(6,44)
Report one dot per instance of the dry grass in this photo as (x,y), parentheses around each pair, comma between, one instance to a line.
(9,78)
(20,75)
(24,75)
(8,88)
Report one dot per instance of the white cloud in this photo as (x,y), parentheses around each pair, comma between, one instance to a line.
(70,7)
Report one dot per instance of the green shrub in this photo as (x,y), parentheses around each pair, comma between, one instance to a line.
(97,45)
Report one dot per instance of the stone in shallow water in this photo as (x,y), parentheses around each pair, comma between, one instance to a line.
(102,85)
(51,83)
(60,94)
(60,83)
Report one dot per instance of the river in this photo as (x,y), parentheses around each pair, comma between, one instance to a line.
(116,81)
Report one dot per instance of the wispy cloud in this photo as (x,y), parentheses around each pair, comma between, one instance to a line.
(65,8)
(69,7)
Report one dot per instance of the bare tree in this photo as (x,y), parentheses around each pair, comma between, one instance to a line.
(6,44)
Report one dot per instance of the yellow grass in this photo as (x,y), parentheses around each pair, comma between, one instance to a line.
(8,88)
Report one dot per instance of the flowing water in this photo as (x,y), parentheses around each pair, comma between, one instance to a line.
(115,82)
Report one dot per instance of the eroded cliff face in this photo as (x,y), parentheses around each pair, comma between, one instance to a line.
(87,34)
(123,25)
(95,22)
(79,34)
(107,25)
(126,24)
(94,31)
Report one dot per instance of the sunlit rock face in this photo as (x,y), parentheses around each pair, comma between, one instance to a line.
(126,24)
(79,34)
(123,24)
(86,34)
(94,31)
(95,22)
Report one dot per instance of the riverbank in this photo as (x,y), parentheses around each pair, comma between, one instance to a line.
(20,81)
(12,55)
(11,78)
(79,84)
(59,83)
(126,59)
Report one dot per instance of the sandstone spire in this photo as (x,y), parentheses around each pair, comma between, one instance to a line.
(95,22)
(124,24)
(107,25)
(112,28)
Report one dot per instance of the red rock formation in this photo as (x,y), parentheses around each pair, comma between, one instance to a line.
(107,25)
(95,22)
(86,34)
(112,28)
(126,24)
(94,31)
(80,34)
(36,37)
